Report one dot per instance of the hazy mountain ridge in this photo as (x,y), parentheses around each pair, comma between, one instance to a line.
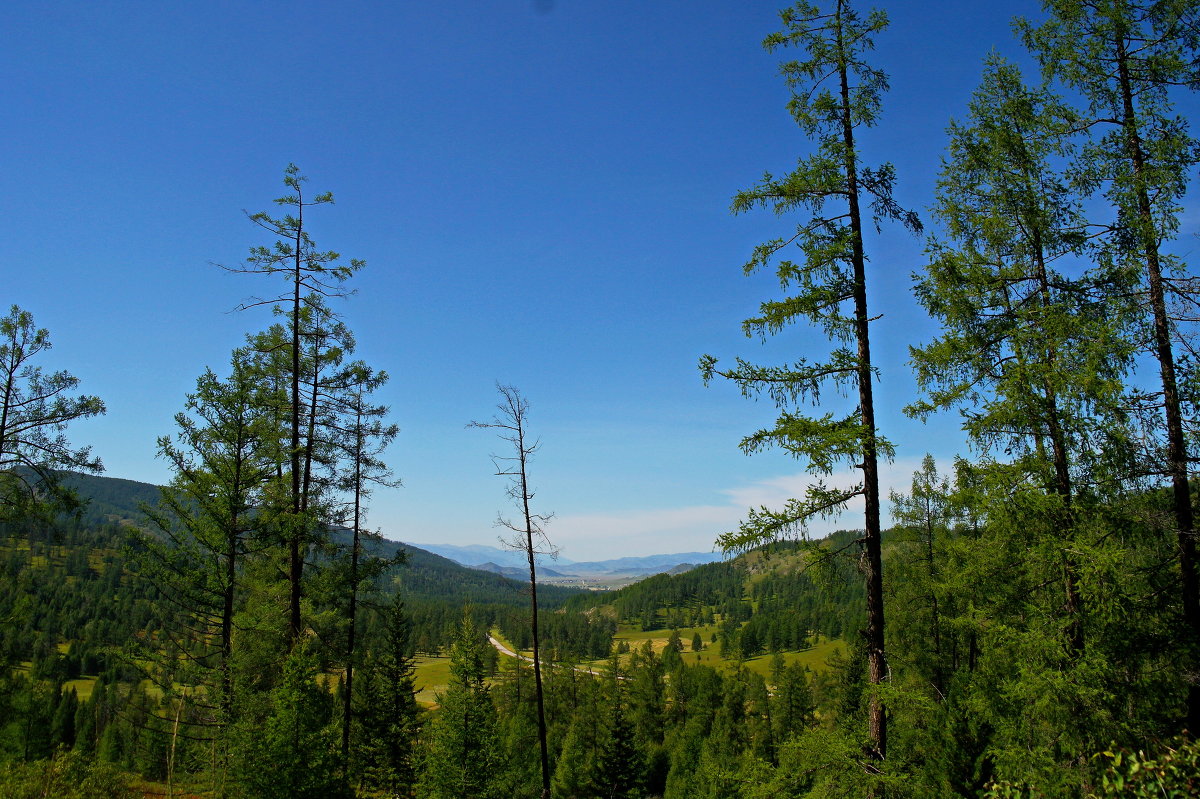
(514,572)
(496,559)
(476,555)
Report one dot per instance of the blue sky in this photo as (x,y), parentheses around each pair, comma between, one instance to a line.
(540,191)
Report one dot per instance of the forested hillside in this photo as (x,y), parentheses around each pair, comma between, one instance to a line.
(79,608)
(109,501)
(76,550)
(772,599)
(87,611)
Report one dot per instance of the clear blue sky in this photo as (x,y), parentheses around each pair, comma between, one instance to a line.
(540,191)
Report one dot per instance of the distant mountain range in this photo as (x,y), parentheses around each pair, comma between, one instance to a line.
(515,572)
(512,563)
(477,555)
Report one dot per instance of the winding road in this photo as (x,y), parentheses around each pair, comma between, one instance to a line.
(504,650)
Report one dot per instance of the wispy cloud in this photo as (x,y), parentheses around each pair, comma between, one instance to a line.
(598,536)
(695,527)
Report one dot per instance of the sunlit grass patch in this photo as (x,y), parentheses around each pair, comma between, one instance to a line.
(431,676)
(815,657)
(84,687)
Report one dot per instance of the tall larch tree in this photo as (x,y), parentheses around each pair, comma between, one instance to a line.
(1029,351)
(364,435)
(835,93)
(1126,57)
(311,276)
(1032,353)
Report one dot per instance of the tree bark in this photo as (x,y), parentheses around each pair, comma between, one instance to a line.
(872,536)
(352,609)
(295,559)
(1177,468)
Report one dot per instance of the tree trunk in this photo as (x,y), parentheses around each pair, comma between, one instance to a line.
(1177,467)
(872,536)
(295,560)
(352,609)
(533,612)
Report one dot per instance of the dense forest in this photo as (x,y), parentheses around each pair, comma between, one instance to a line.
(1028,624)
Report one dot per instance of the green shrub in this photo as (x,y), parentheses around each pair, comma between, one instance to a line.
(70,775)
(1173,774)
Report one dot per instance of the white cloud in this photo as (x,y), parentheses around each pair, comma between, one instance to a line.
(599,536)
(694,528)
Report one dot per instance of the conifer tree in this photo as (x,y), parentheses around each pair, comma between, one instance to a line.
(1125,57)
(312,276)
(575,770)
(207,521)
(1032,353)
(835,92)
(922,517)
(62,726)
(35,409)
(293,753)
(363,438)
(387,712)
(791,701)
(644,694)
(1018,327)
(461,759)
(620,765)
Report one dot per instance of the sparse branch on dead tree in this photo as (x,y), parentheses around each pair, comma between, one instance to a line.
(529,532)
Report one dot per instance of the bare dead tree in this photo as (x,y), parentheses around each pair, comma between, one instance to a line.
(528,533)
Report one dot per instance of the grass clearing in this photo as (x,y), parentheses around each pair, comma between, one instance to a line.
(84,687)
(815,658)
(431,675)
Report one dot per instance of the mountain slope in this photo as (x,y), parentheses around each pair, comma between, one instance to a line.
(769,598)
(425,575)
